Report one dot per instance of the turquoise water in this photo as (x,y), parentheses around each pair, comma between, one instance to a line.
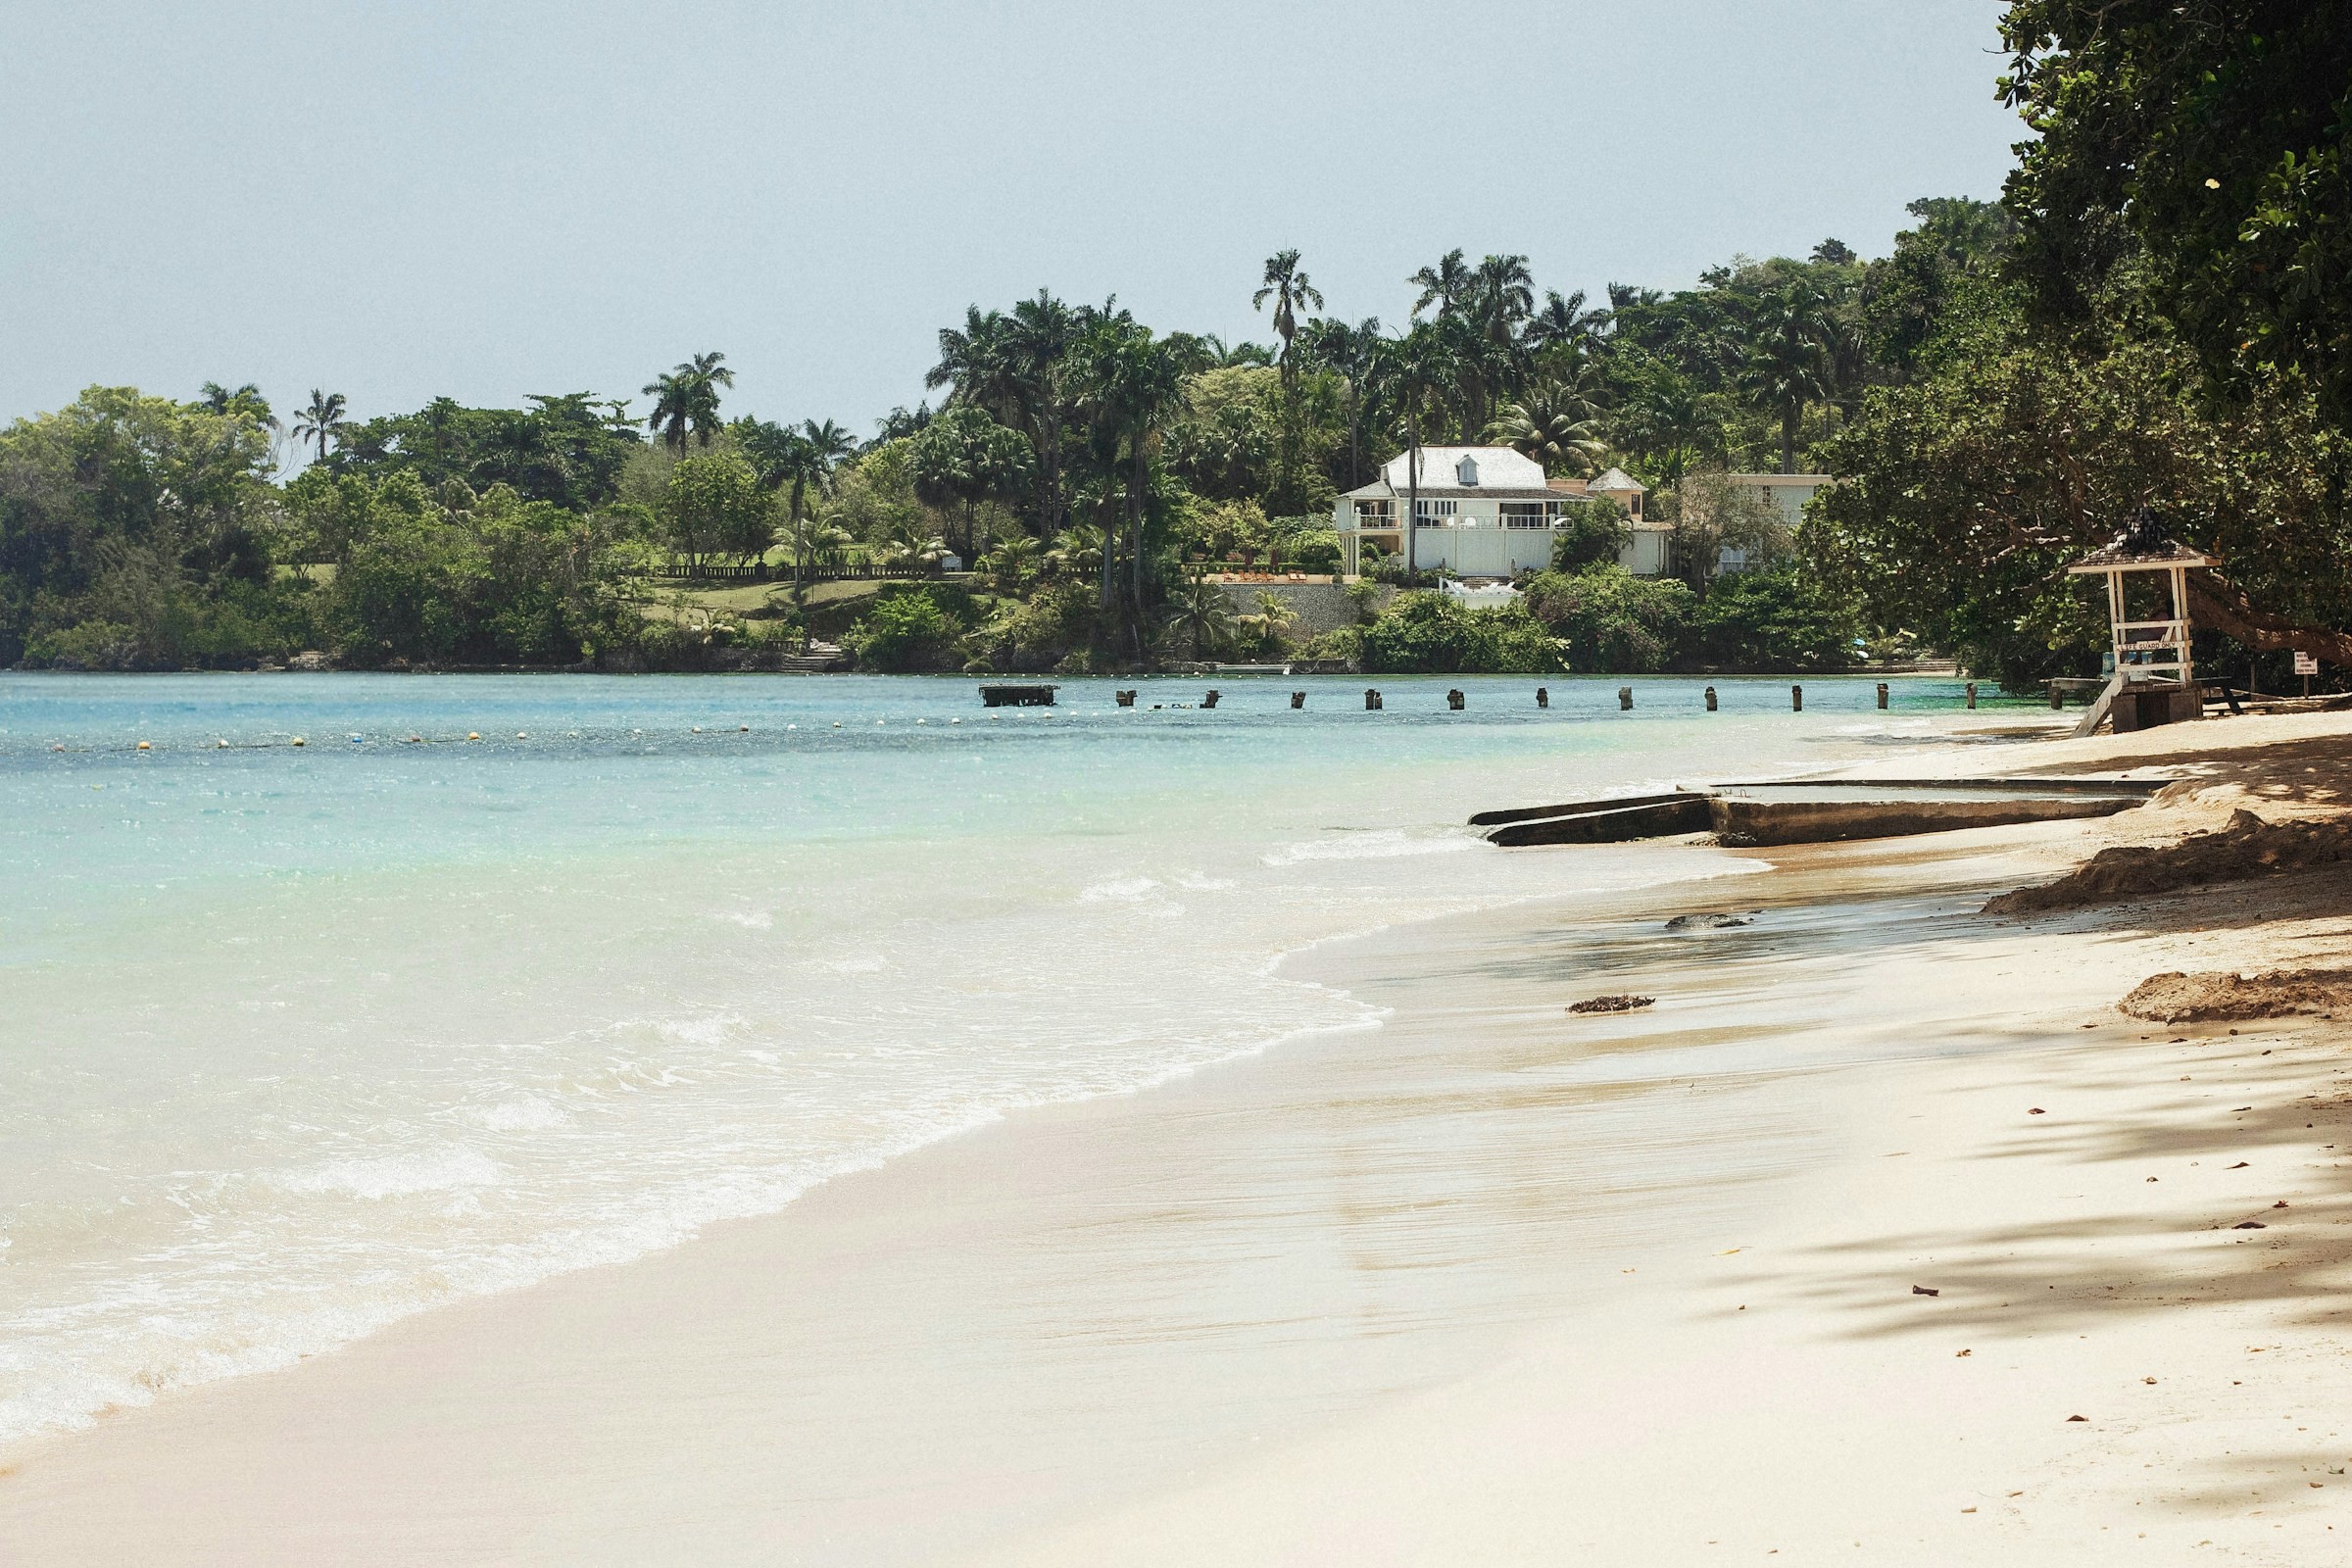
(300,1040)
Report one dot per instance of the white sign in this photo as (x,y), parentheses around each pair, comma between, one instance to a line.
(2306,665)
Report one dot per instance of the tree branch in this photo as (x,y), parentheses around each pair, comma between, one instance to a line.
(2218,602)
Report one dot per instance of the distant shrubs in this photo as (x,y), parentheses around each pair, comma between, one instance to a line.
(913,628)
(1611,622)
(1779,620)
(1436,634)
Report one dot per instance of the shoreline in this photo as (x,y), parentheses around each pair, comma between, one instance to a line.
(1119,1251)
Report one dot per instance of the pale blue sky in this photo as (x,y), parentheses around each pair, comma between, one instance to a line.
(401,200)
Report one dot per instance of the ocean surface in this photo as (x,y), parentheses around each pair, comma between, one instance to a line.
(497,977)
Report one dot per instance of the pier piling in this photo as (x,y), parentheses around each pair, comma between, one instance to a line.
(1211,700)
(1710,698)
(1796,699)
(1542,697)
(1125,699)
(1882,697)
(1972,695)
(1625,699)
(1371,700)
(1455,699)
(1297,699)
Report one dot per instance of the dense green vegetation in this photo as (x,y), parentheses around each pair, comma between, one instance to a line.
(2153,316)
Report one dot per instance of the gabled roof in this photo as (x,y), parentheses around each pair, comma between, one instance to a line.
(1498,468)
(1618,482)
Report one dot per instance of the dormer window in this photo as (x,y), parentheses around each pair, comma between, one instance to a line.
(1466,472)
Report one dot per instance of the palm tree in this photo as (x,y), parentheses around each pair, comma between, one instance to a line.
(322,421)
(707,373)
(1787,365)
(1563,320)
(1076,553)
(1200,614)
(1132,387)
(1414,368)
(1290,289)
(1266,625)
(1348,353)
(1444,285)
(686,399)
(674,409)
(439,418)
(1545,425)
(246,400)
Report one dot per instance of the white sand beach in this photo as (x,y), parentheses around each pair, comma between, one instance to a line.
(1489,1284)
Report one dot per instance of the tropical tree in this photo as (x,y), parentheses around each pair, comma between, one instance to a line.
(714,503)
(1788,365)
(246,400)
(686,401)
(1444,285)
(1349,353)
(1413,372)
(965,456)
(1076,553)
(1133,386)
(322,421)
(1286,283)
(1544,424)
(1266,625)
(1200,615)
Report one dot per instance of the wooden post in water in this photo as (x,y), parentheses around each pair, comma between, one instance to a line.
(1455,699)
(1882,697)
(1297,699)
(2056,700)
(1211,700)
(1796,699)
(1125,699)
(1625,699)
(1972,695)
(1542,697)
(1710,698)
(1371,700)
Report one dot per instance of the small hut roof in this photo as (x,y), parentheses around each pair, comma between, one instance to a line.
(2139,546)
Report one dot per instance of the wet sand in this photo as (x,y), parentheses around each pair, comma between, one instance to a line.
(1489,1284)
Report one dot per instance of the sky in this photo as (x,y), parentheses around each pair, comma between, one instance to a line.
(399,201)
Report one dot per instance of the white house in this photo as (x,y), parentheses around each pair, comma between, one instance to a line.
(1788,492)
(1482,512)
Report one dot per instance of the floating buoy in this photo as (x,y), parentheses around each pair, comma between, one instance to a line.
(837,723)
(520,736)
(922,721)
(298,740)
(792,726)
(697,729)
(416,740)
(57,748)
(955,720)
(144,746)
(355,739)
(218,746)
(878,723)
(743,729)
(473,734)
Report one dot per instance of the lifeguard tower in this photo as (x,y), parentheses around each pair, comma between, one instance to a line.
(2155,679)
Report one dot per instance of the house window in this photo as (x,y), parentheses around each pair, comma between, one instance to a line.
(1635,503)
(1376,513)
(1466,472)
(1434,513)
(1528,514)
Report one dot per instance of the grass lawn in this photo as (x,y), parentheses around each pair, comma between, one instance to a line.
(750,598)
